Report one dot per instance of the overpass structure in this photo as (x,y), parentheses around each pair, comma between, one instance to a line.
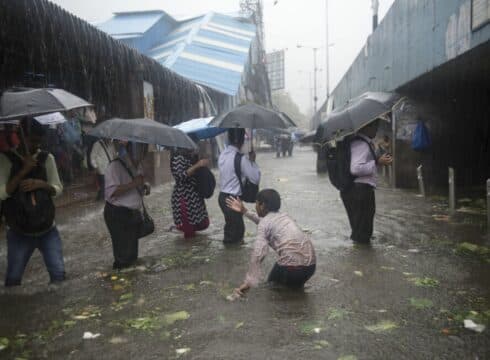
(437,54)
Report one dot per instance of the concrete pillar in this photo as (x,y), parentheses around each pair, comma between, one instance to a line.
(420,179)
(452,191)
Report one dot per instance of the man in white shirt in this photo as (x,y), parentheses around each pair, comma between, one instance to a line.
(103,152)
(230,184)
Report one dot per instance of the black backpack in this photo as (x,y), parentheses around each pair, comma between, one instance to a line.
(30,213)
(338,162)
(205,182)
(249,189)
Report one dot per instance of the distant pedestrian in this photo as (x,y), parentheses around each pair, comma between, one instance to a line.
(102,153)
(188,206)
(359,199)
(231,185)
(297,259)
(123,213)
(28,183)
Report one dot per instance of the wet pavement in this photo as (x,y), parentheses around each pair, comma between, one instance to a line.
(403,298)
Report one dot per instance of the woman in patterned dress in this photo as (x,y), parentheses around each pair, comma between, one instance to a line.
(188,207)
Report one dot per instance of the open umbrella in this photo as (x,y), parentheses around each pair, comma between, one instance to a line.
(200,128)
(252,116)
(144,131)
(20,102)
(356,114)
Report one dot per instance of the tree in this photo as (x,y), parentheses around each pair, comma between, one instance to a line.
(283,102)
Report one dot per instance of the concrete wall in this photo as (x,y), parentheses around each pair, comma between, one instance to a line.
(415,37)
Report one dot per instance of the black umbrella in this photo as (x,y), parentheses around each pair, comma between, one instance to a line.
(21,102)
(144,131)
(252,116)
(356,114)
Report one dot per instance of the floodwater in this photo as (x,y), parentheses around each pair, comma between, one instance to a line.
(403,298)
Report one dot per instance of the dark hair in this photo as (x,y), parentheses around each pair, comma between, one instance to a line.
(236,136)
(270,198)
(31,127)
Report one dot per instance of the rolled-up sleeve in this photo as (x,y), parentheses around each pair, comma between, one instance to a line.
(261,248)
(53,176)
(5,167)
(361,163)
(250,170)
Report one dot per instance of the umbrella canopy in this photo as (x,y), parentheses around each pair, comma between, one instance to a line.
(144,131)
(252,116)
(17,103)
(200,128)
(356,114)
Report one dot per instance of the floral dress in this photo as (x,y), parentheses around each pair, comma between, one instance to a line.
(188,207)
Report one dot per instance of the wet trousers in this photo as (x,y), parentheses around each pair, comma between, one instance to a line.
(186,227)
(360,204)
(124,226)
(234,225)
(291,276)
(101,184)
(19,251)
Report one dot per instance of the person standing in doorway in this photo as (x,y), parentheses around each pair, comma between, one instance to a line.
(359,199)
(230,185)
(103,152)
(28,183)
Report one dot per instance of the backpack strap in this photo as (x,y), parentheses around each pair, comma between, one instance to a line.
(238,168)
(130,173)
(102,143)
(371,146)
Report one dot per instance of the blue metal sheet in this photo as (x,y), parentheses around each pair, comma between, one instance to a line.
(232,22)
(223,80)
(214,52)
(131,23)
(225,38)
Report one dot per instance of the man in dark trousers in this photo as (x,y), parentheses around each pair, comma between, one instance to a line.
(230,185)
(359,200)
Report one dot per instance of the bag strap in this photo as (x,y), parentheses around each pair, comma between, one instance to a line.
(125,166)
(105,150)
(238,168)
(371,146)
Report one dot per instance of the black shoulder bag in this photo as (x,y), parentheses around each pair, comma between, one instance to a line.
(147,226)
(249,189)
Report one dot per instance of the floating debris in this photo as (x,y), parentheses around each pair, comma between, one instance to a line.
(358,273)
(169,319)
(413,251)
(334,314)
(425,282)
(438,217)
(383,326)
(4,343)
(421,303)
(239,325)
(471,325)
(311,328)
(182,351)
(388,268)
(348,357)
(87,335)
(118,340)
(320,344)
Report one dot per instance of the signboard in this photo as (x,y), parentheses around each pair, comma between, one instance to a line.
(275,69)
(480,13)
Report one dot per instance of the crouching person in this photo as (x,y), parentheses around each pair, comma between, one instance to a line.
(28,183)
(297,260)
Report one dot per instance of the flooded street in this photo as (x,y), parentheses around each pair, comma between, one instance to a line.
(403,298)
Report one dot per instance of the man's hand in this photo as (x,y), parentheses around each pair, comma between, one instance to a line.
(252,156)
(242,289)
(29,163)
(385,159)
(33,184)
(236,205)
(138,181)
(203,163)
(146,189)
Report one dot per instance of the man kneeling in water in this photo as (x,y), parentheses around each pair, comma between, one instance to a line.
(297,261)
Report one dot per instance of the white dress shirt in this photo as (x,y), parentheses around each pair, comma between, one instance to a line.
(229,183)
(100,158)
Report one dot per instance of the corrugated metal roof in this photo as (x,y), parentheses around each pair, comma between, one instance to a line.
(137,22)
(213,51)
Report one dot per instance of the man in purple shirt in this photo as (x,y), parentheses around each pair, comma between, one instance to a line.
(359,200)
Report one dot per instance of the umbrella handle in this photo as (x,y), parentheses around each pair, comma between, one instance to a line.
(23,140)
(251,139)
